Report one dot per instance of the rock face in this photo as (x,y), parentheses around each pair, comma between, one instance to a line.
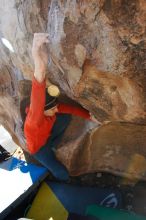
(118,148)
(97,58)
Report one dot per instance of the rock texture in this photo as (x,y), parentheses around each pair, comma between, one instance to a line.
(97,58)
(118,148)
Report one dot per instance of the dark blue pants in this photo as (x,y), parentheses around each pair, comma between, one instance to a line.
(46,154)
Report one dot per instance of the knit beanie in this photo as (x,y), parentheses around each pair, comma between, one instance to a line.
(52,93)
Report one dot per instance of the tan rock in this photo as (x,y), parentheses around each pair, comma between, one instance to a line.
(119,148)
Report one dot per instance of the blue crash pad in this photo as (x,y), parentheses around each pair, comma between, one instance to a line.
(57,200)
(77,198)
(17,179)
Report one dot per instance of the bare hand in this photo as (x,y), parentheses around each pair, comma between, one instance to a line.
(92,118)
(40,55)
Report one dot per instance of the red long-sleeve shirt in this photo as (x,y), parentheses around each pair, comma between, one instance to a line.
(37,127)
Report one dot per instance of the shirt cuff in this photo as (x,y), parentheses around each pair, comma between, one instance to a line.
(38,84)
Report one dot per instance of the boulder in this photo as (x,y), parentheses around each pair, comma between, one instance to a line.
(97,58)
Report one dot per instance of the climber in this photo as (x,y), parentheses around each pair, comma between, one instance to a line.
(46,118)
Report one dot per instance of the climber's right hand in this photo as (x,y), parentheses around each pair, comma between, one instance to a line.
(40,55)
(92,118)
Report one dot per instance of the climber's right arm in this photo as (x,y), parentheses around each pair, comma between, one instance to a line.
(40,55)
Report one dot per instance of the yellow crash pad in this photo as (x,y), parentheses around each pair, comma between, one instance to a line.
(46,206)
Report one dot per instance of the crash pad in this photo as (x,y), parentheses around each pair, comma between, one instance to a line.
(76,198)
(47,205)
(66,199)
(104,213)
(18,179)
(73,216)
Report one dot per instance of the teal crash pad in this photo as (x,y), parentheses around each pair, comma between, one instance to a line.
(104,213)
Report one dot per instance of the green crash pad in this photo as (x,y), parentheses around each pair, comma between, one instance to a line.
(112,214)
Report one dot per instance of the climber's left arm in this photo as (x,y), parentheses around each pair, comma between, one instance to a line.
(74,110)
